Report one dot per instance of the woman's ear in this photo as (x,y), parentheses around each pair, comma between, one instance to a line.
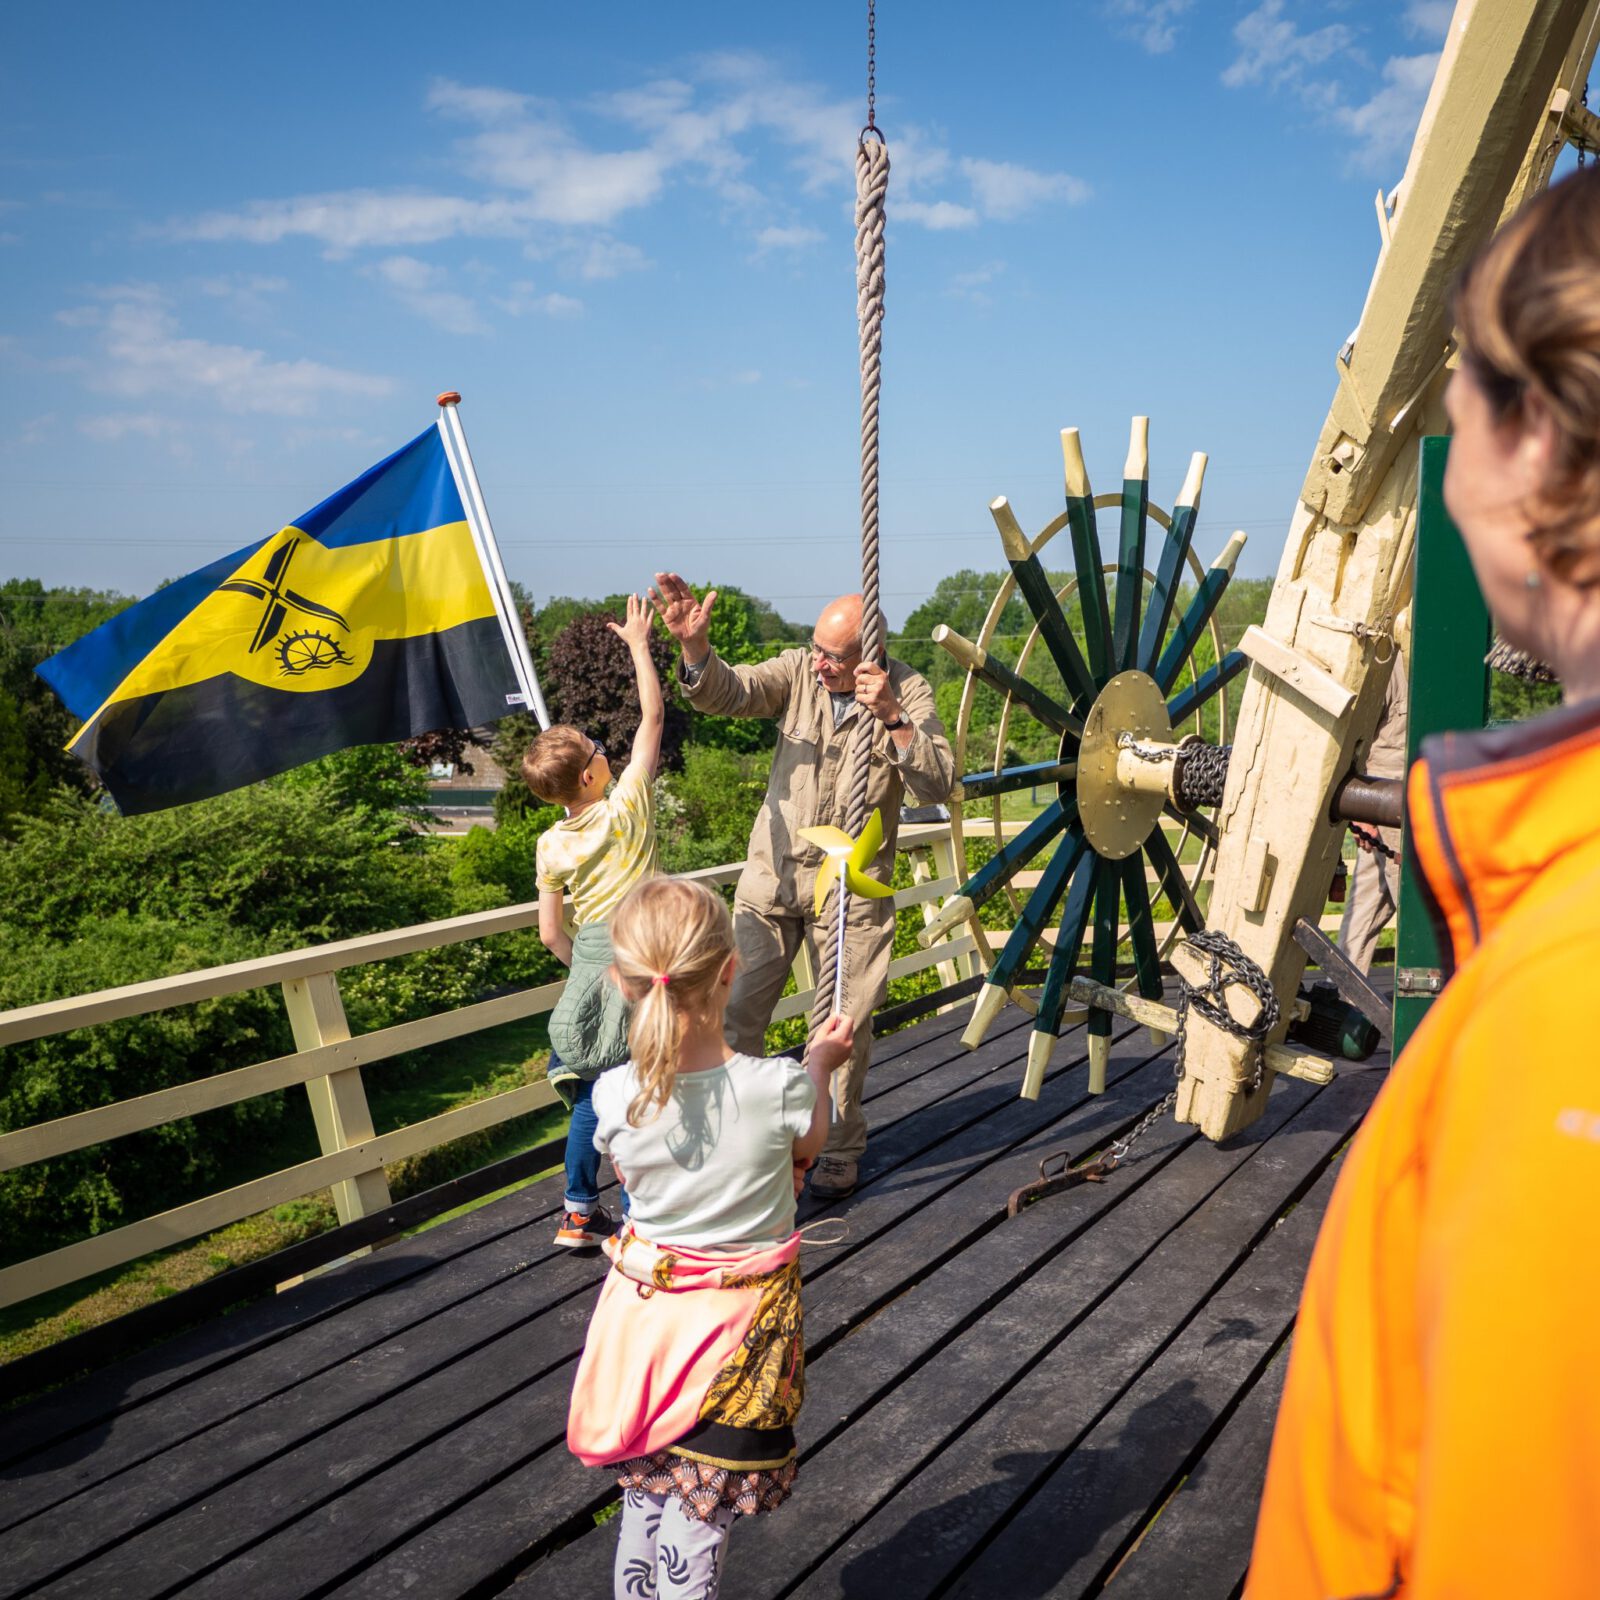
(725,977)
(1537,447)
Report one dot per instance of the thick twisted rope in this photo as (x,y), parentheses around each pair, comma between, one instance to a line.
(872,186)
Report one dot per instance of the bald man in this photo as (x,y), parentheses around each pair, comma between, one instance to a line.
(817,697)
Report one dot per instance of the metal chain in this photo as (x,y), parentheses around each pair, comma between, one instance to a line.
(1202,774)
(1229,966)
(1139,752)
(872,67)
(1372,844)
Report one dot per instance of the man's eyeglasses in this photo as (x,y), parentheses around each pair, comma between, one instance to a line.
(599,750)
(832,657)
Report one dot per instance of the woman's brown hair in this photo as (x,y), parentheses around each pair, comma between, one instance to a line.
(670,940)
(1528,314)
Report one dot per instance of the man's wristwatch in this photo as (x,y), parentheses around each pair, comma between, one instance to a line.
(895,726)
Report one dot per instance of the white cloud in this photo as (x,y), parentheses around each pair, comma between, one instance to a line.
(143,352)
(1273,50)
(354,218)
(524,299)
(1385,124)
(606,258)
(796,238)
(479,105)
(1004,190)
(1149,22)
(542,181)
(419,286)
(1428,19)
(937,216)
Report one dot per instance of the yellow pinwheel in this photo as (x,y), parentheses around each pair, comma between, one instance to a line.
(850,856)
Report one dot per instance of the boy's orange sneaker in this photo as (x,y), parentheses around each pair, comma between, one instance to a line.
(580,1232)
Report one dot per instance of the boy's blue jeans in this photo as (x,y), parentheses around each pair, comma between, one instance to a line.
(583,1160)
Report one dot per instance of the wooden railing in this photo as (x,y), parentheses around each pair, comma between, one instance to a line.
(329,1062)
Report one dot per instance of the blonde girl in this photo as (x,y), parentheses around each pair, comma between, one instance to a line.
(693,1370)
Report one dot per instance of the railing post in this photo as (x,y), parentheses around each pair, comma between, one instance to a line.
(936,860)
(804,969)
(338,1101)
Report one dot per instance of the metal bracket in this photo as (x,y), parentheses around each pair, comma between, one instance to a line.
(1057,1174)
(1418,980)
(1347,977)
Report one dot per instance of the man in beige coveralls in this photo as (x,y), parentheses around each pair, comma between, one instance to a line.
(815,695)
(1374,889)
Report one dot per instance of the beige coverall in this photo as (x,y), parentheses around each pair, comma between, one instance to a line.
(1374,888)
(809,787)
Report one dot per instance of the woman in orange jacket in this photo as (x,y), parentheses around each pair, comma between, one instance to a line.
(1440,1429)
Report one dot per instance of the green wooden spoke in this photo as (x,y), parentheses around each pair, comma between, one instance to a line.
(1130,572)
(1045,707)
(1040,907)
(1141,928)
(1190,626)
(1091,586)
(1173,883)
(1103,953)
(1204,688)
(1164,591)
(984,785)
(1069,942)
(1015,853)
(1040,598)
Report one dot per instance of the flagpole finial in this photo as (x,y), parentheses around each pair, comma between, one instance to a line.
(449,398)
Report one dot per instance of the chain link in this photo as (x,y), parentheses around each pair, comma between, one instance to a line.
(1230,966)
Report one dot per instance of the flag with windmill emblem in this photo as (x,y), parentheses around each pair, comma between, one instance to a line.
(377,616)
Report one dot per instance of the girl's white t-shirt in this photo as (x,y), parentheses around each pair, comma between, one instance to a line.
(713,1168)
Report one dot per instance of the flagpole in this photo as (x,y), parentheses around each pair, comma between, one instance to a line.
(489,551)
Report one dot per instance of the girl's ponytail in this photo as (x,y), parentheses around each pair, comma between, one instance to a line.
(671,940)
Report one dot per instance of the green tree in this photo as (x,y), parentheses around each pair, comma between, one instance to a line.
(35,623)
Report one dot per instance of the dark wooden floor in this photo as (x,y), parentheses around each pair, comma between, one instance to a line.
(1076,1399)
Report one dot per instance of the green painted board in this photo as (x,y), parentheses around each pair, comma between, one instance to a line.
(1450,635)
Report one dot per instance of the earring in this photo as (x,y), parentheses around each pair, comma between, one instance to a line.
(1532,580)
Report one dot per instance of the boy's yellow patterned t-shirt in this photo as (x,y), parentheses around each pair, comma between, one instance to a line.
(598,855)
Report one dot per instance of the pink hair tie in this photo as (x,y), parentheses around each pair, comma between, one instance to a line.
(663,978)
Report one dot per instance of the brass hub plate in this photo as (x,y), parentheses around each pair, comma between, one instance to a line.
(1117,820)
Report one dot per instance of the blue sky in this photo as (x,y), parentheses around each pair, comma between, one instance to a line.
(243,248)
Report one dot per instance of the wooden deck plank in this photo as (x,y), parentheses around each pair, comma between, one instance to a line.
(210,1454)
(940,1399)
(427,1455)
(1073,1530)
(1199,1546)
(898,1337)
(224,1388)
(314,1546)
(875,1214)
(948,1511)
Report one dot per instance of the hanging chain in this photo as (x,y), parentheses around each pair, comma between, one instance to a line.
(872,67)
(1230,967)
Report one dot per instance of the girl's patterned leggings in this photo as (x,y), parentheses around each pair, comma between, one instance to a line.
(665,1552)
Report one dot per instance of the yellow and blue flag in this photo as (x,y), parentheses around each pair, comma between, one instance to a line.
(371,618)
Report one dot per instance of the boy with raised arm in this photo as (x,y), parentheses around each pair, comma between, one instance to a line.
(596,853)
